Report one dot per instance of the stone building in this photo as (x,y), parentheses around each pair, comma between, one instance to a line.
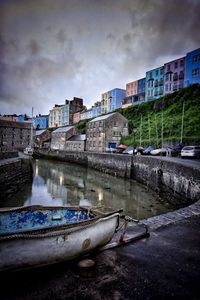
(14,135)
(61,135)
(105,132)
(41,137)
(76,143)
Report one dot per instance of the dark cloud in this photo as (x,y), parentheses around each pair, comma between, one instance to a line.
(34,47)
(61,36)
(53,50)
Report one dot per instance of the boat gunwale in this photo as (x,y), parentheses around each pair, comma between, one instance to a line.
(56,229)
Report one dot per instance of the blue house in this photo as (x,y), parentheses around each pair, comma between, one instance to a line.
(116,97)
(41,122)
(21,118)
(192,67)
(141,90)
(154,84)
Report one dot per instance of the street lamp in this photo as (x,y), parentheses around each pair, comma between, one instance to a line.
(134,132)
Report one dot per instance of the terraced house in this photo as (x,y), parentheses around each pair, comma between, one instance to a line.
(135,92)
(154,84)
(174,75)
(105,132)
(192,67)
(112,100)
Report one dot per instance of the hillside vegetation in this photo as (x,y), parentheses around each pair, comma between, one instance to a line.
(160,121)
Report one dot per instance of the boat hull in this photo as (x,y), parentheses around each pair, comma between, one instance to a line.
(34,250)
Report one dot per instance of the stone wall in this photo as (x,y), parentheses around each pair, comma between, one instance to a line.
(114,164)
(14,173)
(171,180)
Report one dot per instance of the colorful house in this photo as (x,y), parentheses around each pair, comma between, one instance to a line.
(135,92)
(55,116)
(154,84)
(141,90)
(174,75)
(41,122)
(192,67)
(131,93)
(104,102)
(96,109)
(116,97)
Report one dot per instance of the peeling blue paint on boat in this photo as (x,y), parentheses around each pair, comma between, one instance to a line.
(27,220)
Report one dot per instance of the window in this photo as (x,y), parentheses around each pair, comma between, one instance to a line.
(182,63)
(196,58)
(168,67)
(176,65)
(166,87)
(195,72)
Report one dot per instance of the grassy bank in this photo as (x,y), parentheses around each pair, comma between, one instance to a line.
(162,119)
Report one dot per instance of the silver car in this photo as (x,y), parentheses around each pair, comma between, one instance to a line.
(190,151)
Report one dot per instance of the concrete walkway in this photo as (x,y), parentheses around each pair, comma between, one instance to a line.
(164,266)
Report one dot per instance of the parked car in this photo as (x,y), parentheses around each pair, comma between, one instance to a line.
(159,152)
(129,150)
(175,151)
(147,150)
(190,151)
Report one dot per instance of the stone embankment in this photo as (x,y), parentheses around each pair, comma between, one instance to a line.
(171,179)
(14,173)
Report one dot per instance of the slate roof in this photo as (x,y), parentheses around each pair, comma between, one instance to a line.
(63,129)
(39,132)
(104,117)
(81,137)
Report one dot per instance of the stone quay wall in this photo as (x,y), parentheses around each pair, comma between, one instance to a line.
(114,164)
(14,173)
(171,180)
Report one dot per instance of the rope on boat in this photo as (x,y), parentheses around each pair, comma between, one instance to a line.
(128,219)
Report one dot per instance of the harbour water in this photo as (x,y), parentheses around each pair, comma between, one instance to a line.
(65,184)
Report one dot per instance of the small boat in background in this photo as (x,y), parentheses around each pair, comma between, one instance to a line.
(28,151)
(34,236)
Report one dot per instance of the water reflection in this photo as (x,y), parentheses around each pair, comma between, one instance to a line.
(59,183)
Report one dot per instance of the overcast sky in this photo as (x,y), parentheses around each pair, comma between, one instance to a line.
(52,50)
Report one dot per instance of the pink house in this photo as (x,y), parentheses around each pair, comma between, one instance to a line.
(132,88)
(174,75)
